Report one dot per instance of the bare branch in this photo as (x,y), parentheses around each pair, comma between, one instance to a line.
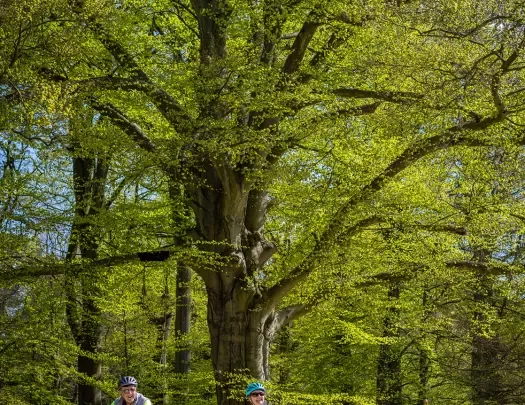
(288,314)
(385,277)
(443,228)
(345,18)
(291,35)
(114,195)
(520,217)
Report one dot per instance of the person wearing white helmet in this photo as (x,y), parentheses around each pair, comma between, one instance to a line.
(127,387)
(255,393)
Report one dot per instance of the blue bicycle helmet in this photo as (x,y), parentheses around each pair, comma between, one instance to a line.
(254,386)
(127,380)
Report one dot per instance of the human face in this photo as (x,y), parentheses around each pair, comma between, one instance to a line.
(257,398)
(129,393)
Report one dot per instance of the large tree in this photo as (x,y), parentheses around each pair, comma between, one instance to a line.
(229,98)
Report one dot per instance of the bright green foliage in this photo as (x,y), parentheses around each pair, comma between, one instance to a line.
(388,135)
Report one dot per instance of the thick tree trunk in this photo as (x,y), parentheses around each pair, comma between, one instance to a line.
(241,330)
(388,382)
(230,220)
(227,323)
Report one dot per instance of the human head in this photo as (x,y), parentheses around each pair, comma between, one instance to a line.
(255,393)
(127,387)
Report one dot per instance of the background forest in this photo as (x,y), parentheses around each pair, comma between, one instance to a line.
(327,196)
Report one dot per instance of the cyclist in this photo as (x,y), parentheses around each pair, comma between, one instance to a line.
(255,393)
(127,387)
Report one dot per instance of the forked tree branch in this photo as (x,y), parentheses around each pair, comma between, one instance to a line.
(166,104)
(274,294)
(453,136)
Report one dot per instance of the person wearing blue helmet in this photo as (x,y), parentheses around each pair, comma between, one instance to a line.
(127,387)
(255,393)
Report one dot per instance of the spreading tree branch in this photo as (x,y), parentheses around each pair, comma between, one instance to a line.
(165,103)
(464,34)
(391,96)
(274,294)
(453,136)
(124,123)
(37,268)
(489,268)
(300,45)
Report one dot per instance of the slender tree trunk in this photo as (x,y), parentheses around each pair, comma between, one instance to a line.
(166,326)
(388,382)
(89,344)
(487,384)
(182,361)
(168,318)
(163,325)
(284,346)
(89,177)
(424,357)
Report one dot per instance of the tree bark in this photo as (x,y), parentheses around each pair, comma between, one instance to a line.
(182,361)
(228,324)
(83,315)
(388,382)
(89,344)
(487,383)
(230,220)
(424,357)
(163,325)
